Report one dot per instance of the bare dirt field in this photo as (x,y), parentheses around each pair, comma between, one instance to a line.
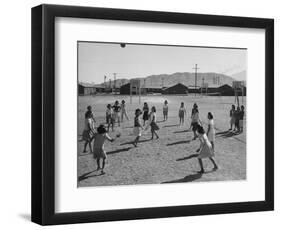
(170,159)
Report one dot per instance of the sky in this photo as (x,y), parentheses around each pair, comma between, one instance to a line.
(95,60)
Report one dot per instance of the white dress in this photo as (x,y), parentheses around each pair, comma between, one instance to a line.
(212,132)
(206,149)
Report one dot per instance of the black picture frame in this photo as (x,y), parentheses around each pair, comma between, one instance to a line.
(43,114)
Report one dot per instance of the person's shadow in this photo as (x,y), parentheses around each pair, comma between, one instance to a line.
(188,178)
(88,175)
(188,157)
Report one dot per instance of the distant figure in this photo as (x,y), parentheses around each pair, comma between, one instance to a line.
(123,111)
(99,152)
(154,126)
(89,130)
(236,119)
(205,150)
(109,117)
(182,112)
(241,118)
(232,118)
(145,110)
(137,127)
(195,121)
(211,133)
(165,110)
(116,112)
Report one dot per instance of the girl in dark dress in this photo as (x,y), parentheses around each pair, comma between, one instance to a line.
(145,110)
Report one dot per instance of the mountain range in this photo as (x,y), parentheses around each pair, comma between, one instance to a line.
(186,78)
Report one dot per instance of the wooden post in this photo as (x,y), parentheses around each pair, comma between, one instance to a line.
(139,91)
(130,92)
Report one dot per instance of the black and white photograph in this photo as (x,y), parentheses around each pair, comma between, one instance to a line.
(159,114)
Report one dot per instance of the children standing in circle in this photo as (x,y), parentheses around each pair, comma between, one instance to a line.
(165,110)
(116,112)
(205,150)
(99,152)
(123,111)
(109,117)
(145,110)
(88,133)
(232,117)
(137,127)
(211,133)
(182,112)
(154,126)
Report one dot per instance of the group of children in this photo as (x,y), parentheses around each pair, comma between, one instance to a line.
(99,134)
(236,118)
(115,114)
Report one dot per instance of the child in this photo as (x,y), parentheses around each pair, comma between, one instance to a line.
(99,152)
(145,110)
(154,126)
(116,112)
(137,127)
(232,118)
(211,133)
(90,111)
(205,150)
(109,117)
(165,110)
(123,111)
(195,106)
(236,119)
(195,120)
(88,133)
(182,112)
(241,118)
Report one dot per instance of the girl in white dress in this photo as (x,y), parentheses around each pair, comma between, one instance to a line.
(205,150)
(123,111)
(137,127)
(211,133)
(89,130)
(153,125)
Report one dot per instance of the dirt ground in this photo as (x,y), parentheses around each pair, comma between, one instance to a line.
(170,159)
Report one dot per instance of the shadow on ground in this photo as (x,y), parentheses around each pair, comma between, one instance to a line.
(179,142)
(167,126)
(188,157)
(188,178)
(131,142)
(88,175)
(182,131)
(119,151)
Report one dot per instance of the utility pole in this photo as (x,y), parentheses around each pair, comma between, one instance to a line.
(144,86)
(104,81)
(195,69)
(114,74)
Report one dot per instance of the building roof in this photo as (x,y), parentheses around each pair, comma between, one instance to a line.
(175,85)
(90,85)
(84,84)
